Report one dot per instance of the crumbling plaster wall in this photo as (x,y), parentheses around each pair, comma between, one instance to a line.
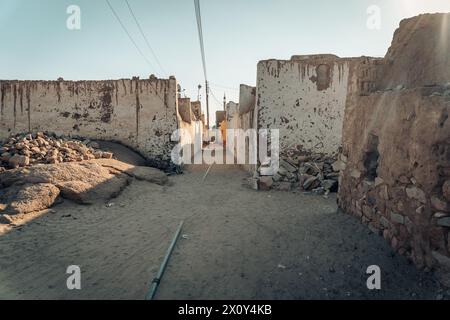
(190,128)
(232,115)
(305,99)
(139,113)
(397,158)
(247,119)
(396,146)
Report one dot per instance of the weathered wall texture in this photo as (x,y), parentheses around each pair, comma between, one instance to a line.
(191,127)
(420,53)
(232,115)
(220,116)
(247,98)
(304,98)
(185,110)
(139,113)
(247,119)
(396,146)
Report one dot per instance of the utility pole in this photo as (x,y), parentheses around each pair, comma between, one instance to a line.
(224,102)
(207,104)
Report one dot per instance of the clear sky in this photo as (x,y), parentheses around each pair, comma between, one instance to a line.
(36,44)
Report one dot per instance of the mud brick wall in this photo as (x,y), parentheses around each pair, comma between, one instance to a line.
(233,116)
(305,99)
(247,119)
(396,147)
(191,128)
(139,113)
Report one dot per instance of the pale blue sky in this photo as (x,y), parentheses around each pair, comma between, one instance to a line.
(35,43)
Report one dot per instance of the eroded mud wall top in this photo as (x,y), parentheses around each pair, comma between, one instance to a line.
(419,54)
(247,98)
(138,113)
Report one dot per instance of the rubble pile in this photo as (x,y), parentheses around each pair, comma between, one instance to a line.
(304,171)
(42,148)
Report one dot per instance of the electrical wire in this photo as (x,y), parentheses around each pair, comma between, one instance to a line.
(129,35)
(145,38)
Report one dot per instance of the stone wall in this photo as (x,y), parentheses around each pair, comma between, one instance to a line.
(139,113)
(396,146)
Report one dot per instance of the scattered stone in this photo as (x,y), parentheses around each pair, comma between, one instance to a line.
(107,155)
(446,190)
(329,185)
(94,145)
(285,186)
(439,205)
(339,165)
(397,218)
(417,194)
(288,166)
(441,259)
(311,172)
(367,211)
(439,215)
(385,222)
(311,183)
(5,157)
(384,192)
(265,183)
(420,210)
(17,161)
(355,174)
(31,149)
(5,219)
(444,222)
(277,177)
(378,182)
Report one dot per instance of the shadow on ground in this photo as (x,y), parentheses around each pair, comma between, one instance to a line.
(237,244)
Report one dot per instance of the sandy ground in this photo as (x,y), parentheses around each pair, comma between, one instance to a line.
(237,244)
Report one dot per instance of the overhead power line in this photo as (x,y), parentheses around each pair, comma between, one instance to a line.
(129,35)
(145,38)
(200,35)
(202,49)
(215,98)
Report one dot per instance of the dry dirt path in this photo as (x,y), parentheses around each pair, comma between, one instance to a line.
(237,244)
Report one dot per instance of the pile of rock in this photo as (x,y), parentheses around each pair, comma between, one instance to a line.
(40,148)
(304,172)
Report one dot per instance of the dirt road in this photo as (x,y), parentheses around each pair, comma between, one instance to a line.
(237,244)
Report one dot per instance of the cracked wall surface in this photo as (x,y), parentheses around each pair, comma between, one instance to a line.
(304,98)
(139,113)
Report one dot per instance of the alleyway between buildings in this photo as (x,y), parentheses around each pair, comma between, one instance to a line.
(237,243)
